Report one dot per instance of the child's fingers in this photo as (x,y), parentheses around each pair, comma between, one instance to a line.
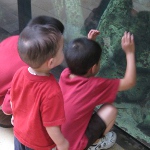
(93,34)
(122,40)
(125,35)
(132,38)
(94,31)
(90,32)
(129,37)
(97,33)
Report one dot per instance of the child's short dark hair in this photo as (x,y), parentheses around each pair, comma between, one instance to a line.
(81,54)
(43,20)
(38,43)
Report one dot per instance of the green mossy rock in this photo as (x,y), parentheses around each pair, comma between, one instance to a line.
(118,18)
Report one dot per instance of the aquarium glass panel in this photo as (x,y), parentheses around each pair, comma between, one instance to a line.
(133,105)
(8,18)
(112,18)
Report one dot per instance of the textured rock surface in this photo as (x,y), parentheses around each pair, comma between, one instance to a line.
(118,18)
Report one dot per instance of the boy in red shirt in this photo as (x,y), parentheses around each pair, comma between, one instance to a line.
(11,62)
(36,98)
(82,92)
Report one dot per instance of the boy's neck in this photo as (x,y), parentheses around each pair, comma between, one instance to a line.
(71,76)
(38,72)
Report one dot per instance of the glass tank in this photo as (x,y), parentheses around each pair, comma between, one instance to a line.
(112,18)
(133,105)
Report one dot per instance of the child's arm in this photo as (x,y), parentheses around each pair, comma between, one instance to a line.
(93,34)
(128,46)
(58,138)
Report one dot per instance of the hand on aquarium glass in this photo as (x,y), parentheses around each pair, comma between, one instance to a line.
(128,42)
(93,34)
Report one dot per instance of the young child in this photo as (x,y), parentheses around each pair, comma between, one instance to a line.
(11,63)
(82,92)
(36,98)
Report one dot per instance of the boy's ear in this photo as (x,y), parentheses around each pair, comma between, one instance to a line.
(50,63)
(94,68)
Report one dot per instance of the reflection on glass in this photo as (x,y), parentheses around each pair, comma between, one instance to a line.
(73,14)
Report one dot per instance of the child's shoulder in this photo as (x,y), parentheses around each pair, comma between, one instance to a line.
(12,39)
(22,69)
(19,71)
(65,72)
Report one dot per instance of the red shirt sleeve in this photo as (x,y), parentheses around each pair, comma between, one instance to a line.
(52,111)
(6,107)
(104,90)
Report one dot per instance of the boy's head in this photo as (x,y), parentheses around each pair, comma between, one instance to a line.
(43,20)
(81,55)
(40,43)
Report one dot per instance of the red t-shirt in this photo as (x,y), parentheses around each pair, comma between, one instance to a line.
(10,62)
(37,102)
(81,95)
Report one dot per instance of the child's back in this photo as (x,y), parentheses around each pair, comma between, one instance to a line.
(34,105)
(81,95)
(36,98)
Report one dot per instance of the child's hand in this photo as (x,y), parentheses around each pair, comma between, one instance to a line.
(93,34)
(128,43)
(58,138)
(64,146)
